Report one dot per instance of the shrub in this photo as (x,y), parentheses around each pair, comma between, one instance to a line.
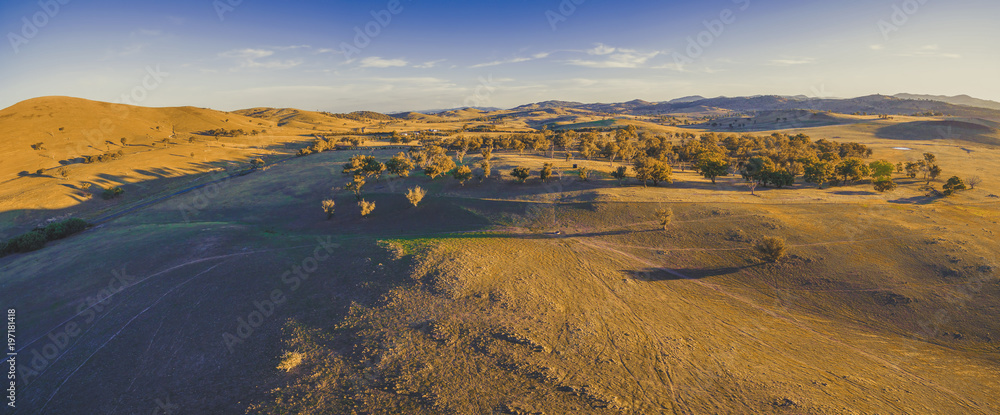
(621,173)
(884,184)
(38,146)
(771,249)
(64,172)
(520,173)
(546,172)
(112,192)
(583,173)
(487,168)
(415,195)
(366,207)
(439,164)
(31,241)
(256,163)
(462,174)
(59,230)
(356,186)
(328,206)
(400,165)
(953,185)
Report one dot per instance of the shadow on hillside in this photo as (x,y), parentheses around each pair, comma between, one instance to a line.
(854,193)
(936,130)
(87,194)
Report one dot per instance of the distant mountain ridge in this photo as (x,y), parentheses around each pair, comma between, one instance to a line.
(957,100)
(871,104)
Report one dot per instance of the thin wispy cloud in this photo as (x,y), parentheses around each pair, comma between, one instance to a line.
(252,58)
(792,62)
(928,51)
(247,53)
(540,55)
(429,64)
(377,62)
(601,49)
(623,58)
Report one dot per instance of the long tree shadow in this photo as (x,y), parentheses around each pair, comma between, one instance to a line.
(660,274)
(913,200)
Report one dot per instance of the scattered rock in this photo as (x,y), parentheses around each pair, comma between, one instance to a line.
(892,299)
(785,403)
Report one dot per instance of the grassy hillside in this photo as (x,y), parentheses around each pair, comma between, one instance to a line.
(497,297)
(508,298)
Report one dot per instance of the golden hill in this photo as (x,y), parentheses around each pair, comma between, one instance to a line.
(69,128)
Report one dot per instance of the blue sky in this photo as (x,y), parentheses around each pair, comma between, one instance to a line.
(232,54)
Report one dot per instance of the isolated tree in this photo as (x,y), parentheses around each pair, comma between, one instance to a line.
(583,173)
(112,192)
(487,168)
(373,167)
(520,173)
(124,141)
(819,172)
(366,207)
(415,195)
(913,168)
(63,172)
(883,184)
(931,172)
(953,185)
(712,165)
(665,216)
(973,181)
(881,168)
(400,165)
(771,249)
(38,146)
(546,172)
(487,153)
(621,173)
(462,174)
(356,185)
(328,206)
(356,165)
(930,158)
(438,165)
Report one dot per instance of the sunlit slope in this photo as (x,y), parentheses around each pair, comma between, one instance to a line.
(72,127)
(43,143)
